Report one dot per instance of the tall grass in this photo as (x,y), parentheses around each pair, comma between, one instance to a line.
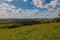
(49,31)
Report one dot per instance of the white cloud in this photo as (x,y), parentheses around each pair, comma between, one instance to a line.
(42,3)
(25,0)
(9,0)
(6,1)
(10,11)
(52,13)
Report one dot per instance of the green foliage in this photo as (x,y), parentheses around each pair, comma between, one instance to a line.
(49,31)
(14,24)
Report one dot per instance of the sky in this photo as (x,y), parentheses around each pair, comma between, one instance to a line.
(29,8)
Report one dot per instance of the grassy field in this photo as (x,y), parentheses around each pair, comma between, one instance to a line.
(49,31)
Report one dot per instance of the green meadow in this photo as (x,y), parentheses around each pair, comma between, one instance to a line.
(47,31)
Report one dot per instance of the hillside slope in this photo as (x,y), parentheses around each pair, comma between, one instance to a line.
(49,31)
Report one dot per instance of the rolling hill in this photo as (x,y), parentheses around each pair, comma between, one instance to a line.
(48,31)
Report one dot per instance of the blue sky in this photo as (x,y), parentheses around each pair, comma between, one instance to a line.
(44,7)
(26,5)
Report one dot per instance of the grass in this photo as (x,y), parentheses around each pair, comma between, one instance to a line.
(49,31)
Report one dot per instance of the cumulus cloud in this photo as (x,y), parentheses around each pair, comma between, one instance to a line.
(6,9)
(6,0)
(10,11)
(25,0)
(52,13)
(9,0)
(42,3)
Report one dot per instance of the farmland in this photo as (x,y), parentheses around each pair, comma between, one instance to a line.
(47,31)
